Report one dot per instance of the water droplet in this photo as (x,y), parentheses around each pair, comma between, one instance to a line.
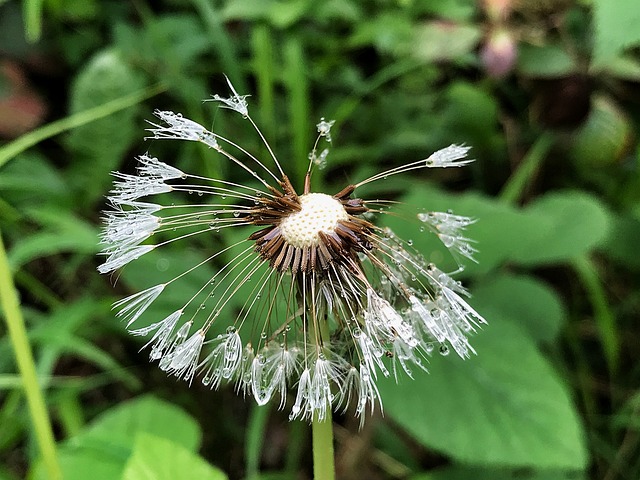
(410,242)
(236,214)
(444,350)
(199,194)
(231,329)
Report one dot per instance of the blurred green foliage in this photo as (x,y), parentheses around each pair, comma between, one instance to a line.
(546,93)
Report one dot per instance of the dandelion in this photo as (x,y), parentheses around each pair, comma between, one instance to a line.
(314,303)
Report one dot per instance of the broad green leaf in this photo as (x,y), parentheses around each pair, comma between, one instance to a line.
(532,304)
(83,464)
(554,228)
(504,407)
(157,458)
(101,451)
(388,32)
(479,473)
(621,245)
(616,28)
(98,147)
(115,430)
(604,138)
(574,223)
(438,40)
(544,61)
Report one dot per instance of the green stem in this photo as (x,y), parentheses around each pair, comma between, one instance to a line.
(7,152)
(296,445)
(515,186)
(27,368)
(604,318)
(322,439)
(255,440)
(32,11)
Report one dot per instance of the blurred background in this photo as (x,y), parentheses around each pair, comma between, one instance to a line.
(547,94)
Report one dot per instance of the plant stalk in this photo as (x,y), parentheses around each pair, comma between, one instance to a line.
(27,368)
(322,439)
(517,183)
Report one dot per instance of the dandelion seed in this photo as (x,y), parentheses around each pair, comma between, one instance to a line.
(234,102)
(315,302)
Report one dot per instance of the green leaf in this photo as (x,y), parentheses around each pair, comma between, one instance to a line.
(604,138)
(115,430)
(544,61)
(444,41)
(457,10)
(504,407)
(101,451)
(572,223)
(616,28)
(532,304)
(156,458)
(479,473)
(17,181)
(100,146)
(61,232)
(554,228)
(621,245)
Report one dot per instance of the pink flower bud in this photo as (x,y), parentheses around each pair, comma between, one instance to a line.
(499,53)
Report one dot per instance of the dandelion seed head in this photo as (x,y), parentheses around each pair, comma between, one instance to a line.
(316,301)
(318,213)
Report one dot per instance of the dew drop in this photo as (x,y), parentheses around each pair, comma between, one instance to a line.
(231,329)
(199,194)
(444,350)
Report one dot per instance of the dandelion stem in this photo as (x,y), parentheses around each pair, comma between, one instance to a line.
(27,368)
(322,439)
(515,186)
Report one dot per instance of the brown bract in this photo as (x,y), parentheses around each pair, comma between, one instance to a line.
(338,245)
